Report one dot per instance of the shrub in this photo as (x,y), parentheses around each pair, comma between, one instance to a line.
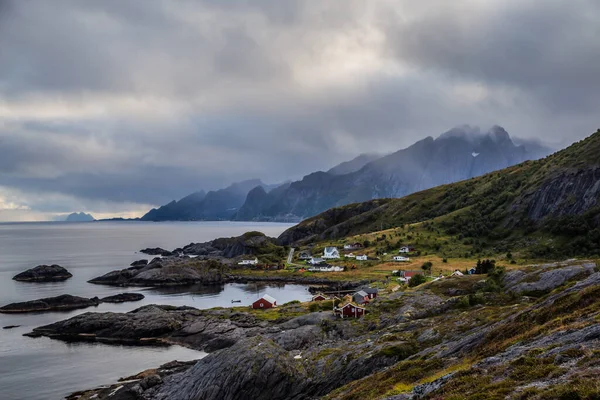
(416,280)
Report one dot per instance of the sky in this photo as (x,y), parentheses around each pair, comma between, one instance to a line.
(113,107)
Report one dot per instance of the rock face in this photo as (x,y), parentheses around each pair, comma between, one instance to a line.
(166,272)
(59,303)
(122,298)
(251,243)
(44,273)
(545,278)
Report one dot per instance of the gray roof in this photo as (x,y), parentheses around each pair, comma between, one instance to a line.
(371,290)
(362,293)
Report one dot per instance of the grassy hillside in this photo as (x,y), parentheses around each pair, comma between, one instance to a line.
(547,207)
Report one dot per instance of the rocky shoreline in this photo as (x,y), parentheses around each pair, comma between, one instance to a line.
(292,353)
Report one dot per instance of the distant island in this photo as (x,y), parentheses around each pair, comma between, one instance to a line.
(80,217)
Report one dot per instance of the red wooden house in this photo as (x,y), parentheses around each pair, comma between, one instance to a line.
(319,297)
(350,310)
(264,302)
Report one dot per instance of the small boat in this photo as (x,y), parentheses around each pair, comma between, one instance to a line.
(236,301)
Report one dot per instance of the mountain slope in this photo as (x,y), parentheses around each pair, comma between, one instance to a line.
(214,205)
(558,196)
(458,154)
(353,165)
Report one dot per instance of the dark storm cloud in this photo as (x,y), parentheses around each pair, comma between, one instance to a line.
(146,101)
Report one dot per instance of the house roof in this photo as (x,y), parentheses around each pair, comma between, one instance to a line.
(371,290)
(362,293)
(330,249)
(351,304)
(268,298)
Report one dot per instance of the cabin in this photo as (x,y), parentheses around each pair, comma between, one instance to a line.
(249,262)
(353,246)
(401,259)
(472,271)
(350,310)
(457,273)
(319,297)
(316,261)
(264,302)
(350,255)
(331,253)
(361,297)
(304,255)
(362,257)
(372,292)
(406,249)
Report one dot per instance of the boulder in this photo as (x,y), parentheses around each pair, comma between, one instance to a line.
(44,273)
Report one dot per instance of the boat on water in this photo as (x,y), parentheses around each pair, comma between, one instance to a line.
(236,301)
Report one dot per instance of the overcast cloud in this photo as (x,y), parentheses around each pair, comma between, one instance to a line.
(114,106)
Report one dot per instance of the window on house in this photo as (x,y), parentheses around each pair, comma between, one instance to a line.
(261,304)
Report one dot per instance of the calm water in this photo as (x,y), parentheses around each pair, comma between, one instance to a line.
(50,369)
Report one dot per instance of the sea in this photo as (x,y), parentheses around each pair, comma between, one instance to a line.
(42,368)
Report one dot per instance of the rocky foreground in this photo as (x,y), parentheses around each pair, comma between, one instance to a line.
(44,273)
(530,334)
(66,302)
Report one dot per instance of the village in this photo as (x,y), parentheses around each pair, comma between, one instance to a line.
(353,304)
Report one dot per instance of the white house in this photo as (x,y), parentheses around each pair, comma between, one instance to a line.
(401,258)
(406,249)
(249,262)
(331,253)
(457,273)
(350,255)
(362,258)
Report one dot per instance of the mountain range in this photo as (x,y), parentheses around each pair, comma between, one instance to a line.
(461,153)
(544,208)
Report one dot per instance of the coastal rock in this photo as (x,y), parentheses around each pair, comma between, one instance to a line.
(44,273)
(139,263)
(156,251)
(122,298)
(256,367)
(149,322)
(166,272)
(59,303)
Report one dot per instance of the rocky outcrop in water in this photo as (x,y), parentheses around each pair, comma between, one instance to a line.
(44,273)
(59,303)
(166,272)
(122,298)
(156,251)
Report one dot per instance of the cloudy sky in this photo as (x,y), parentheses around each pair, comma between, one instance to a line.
(114,106)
